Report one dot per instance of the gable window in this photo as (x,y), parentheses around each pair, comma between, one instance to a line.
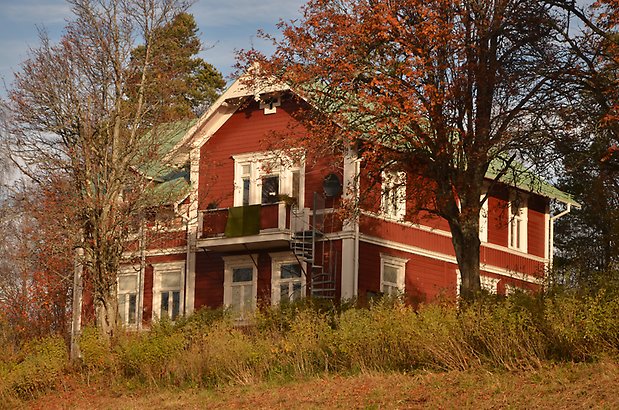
(128,297)
(260,178)
(240,283)
(392,273)
(168,290)
(393,199)
(517,227)
(287,279)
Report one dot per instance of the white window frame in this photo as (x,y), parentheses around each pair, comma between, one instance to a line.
(393,195)
(483,219)
(521,217)
(277,260)
(400,265)
(240,261)
(488,283)
(124,272)
(158,270)
(257,162)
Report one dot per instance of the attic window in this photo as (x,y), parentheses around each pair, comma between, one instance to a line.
(270,103)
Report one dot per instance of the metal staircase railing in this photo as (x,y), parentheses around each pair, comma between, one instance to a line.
(310,245)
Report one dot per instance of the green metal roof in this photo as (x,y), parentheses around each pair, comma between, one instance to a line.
(171,191)
(165,138)
(519,177)
(171,181)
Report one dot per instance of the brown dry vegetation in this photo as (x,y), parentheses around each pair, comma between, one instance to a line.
(564,386)
(553,350)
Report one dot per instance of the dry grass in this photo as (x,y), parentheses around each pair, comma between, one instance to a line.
(565,386)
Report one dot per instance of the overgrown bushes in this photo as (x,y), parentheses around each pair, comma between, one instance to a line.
(297,341)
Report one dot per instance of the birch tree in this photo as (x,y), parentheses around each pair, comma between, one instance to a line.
(78,123)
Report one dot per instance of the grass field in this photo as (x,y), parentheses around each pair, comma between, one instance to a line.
(565,386)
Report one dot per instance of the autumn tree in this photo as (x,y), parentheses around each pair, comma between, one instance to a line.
(79,123)
(439,88)
(181,84)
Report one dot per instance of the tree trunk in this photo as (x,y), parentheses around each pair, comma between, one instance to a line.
(465,239)
(106,310)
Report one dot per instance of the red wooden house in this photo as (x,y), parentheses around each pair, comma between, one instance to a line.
(262,227)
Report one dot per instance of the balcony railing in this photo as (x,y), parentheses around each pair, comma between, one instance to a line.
(244,221)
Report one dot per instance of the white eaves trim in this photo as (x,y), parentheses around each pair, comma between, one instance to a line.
(222,109)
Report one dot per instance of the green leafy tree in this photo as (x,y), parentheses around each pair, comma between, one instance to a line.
(182,84)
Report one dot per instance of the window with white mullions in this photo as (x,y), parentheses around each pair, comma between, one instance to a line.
(261,178)
(517,227)
(170,295)
(168,290)
(287,278)
(290,282)
(240,283)
(127,298)
(392,273)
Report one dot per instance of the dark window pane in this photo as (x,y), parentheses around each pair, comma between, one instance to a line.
(270,189)
(176,304)
(245,191)
(165,299)
(132,309)
(242,274)
(291,271)
(284,295)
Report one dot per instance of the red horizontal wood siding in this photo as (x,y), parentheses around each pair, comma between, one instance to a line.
(536,225)
(209,285)
(425,279)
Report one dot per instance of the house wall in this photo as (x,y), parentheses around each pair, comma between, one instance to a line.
(249,130)
(209,290)
(426,278)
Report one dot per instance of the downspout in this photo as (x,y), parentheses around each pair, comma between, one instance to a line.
(552,231)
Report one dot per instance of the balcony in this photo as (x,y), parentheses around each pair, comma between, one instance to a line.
(248,227)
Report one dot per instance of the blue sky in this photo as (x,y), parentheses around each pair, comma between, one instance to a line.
(224,26)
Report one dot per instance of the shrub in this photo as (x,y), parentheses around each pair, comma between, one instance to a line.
(95,352)
(148,355)
(43,361)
